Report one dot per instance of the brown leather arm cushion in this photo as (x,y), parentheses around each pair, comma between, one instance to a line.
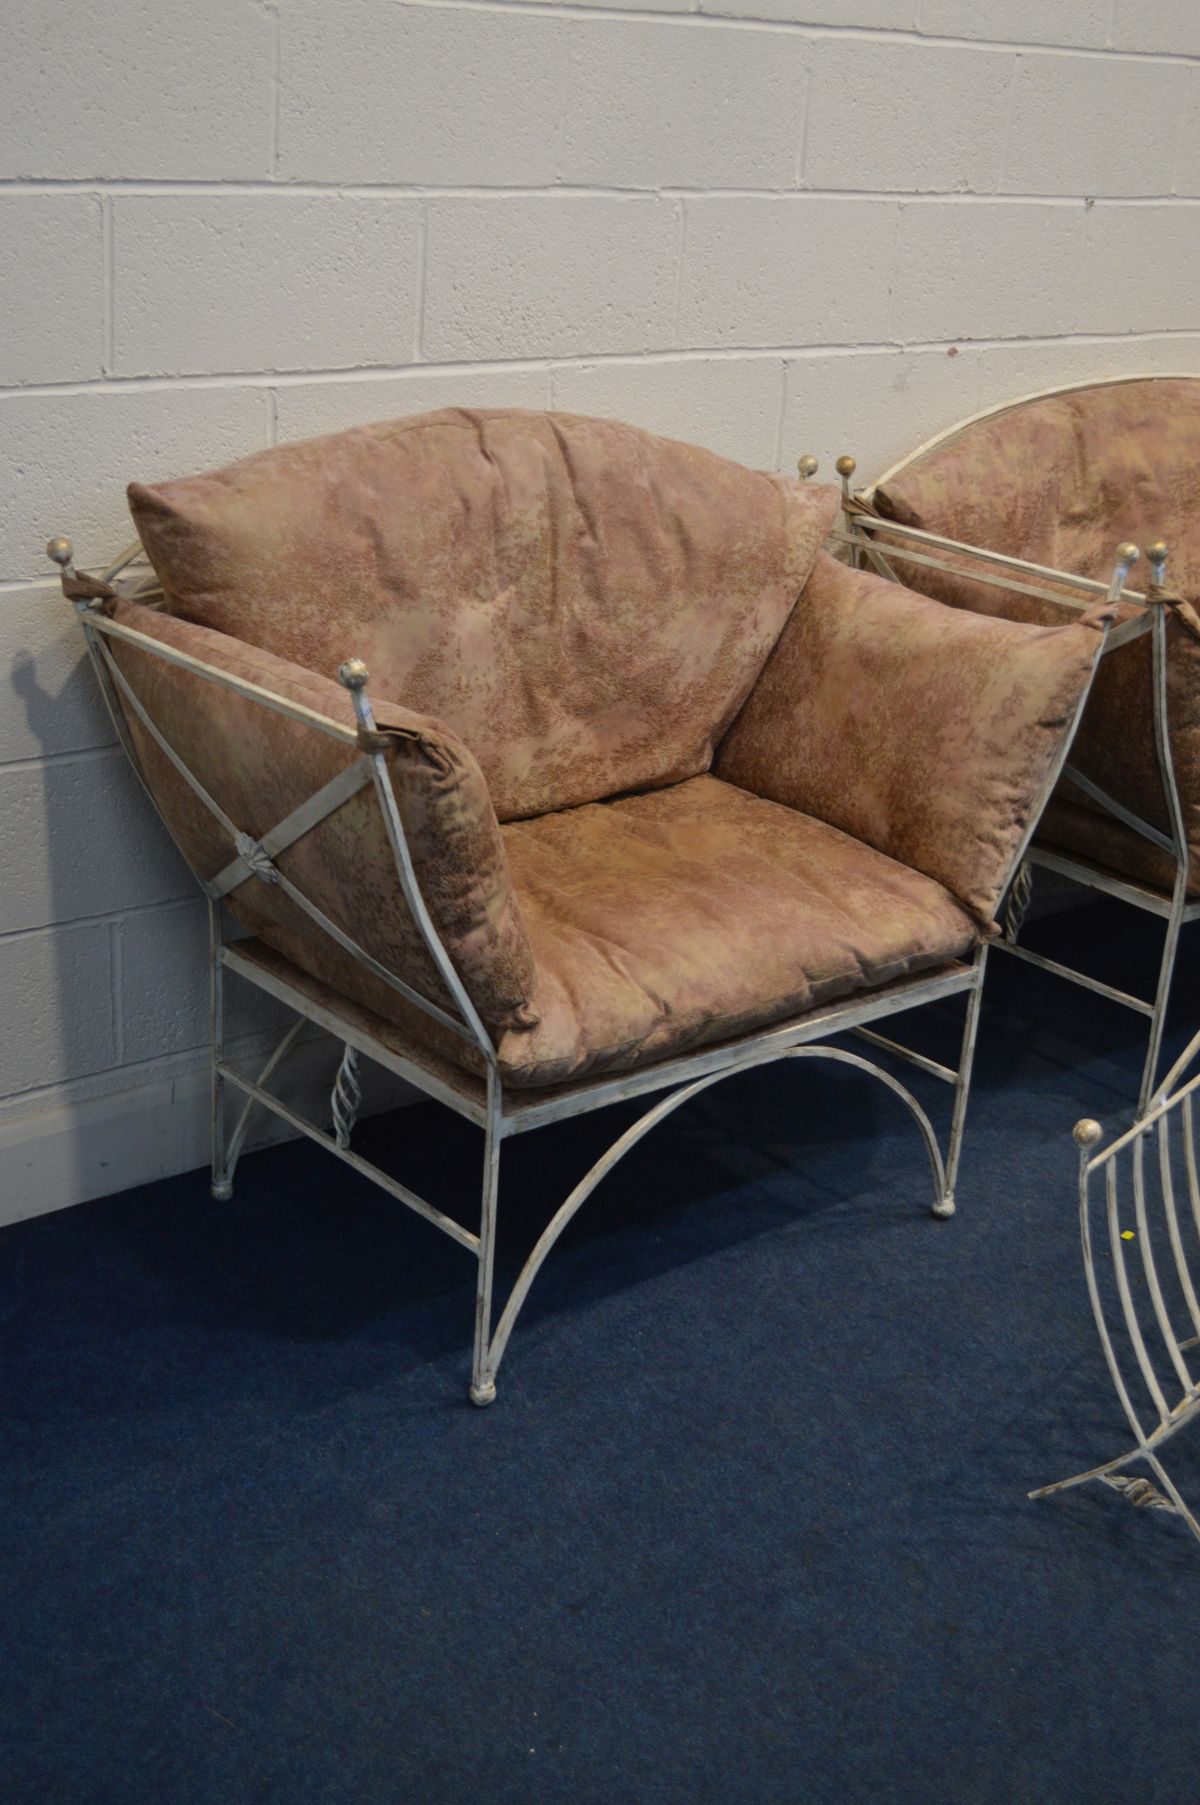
(926,732)
(259,765)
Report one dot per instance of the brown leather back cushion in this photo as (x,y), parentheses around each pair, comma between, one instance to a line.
(585,604)
(930,735)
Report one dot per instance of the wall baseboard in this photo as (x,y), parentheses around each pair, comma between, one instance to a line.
(69,1152)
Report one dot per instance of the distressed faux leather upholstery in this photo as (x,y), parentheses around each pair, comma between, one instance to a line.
(686,915)
(259,765)
(1062,480)
(669,920)
(585,604)
(926,734)
(582,611)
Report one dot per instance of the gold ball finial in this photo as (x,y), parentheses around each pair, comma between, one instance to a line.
(1128,552)
(60,551)
(1157,553)
(353,673)
(808,465)
(1087,1132)
(846,465)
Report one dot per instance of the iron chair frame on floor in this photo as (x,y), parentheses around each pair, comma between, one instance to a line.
(484,1101)
(1173,1104)
(1172,906)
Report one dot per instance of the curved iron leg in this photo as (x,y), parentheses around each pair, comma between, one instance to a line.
(226,1147)
(233,1147)
(489,1353)
(1138,1491)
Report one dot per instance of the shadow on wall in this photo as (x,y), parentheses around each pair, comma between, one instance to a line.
(72,1130)
(60,993)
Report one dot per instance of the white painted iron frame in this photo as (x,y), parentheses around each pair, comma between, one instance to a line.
(1143,1307)
(500,1113)
(1173,906)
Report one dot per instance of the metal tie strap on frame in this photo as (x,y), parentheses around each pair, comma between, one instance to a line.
(1148,1312)
(1157,608)
(481,1101)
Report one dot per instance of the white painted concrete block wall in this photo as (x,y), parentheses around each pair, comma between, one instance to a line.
(767,225)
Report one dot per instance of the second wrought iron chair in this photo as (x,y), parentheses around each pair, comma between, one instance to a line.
(1050,482)
(1139,1215)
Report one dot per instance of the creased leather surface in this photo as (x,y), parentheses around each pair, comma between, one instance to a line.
(589,607)
(1062,481)
(663,921)
(927,733)
(667,921)
(585,604)
(259,765)
(591,939)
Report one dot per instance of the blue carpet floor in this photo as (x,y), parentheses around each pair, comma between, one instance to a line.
(747,1523)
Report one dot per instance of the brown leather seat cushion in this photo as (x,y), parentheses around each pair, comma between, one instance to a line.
(662,921)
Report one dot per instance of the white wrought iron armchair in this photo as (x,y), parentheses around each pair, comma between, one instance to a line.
(1050,481)
(602,890)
